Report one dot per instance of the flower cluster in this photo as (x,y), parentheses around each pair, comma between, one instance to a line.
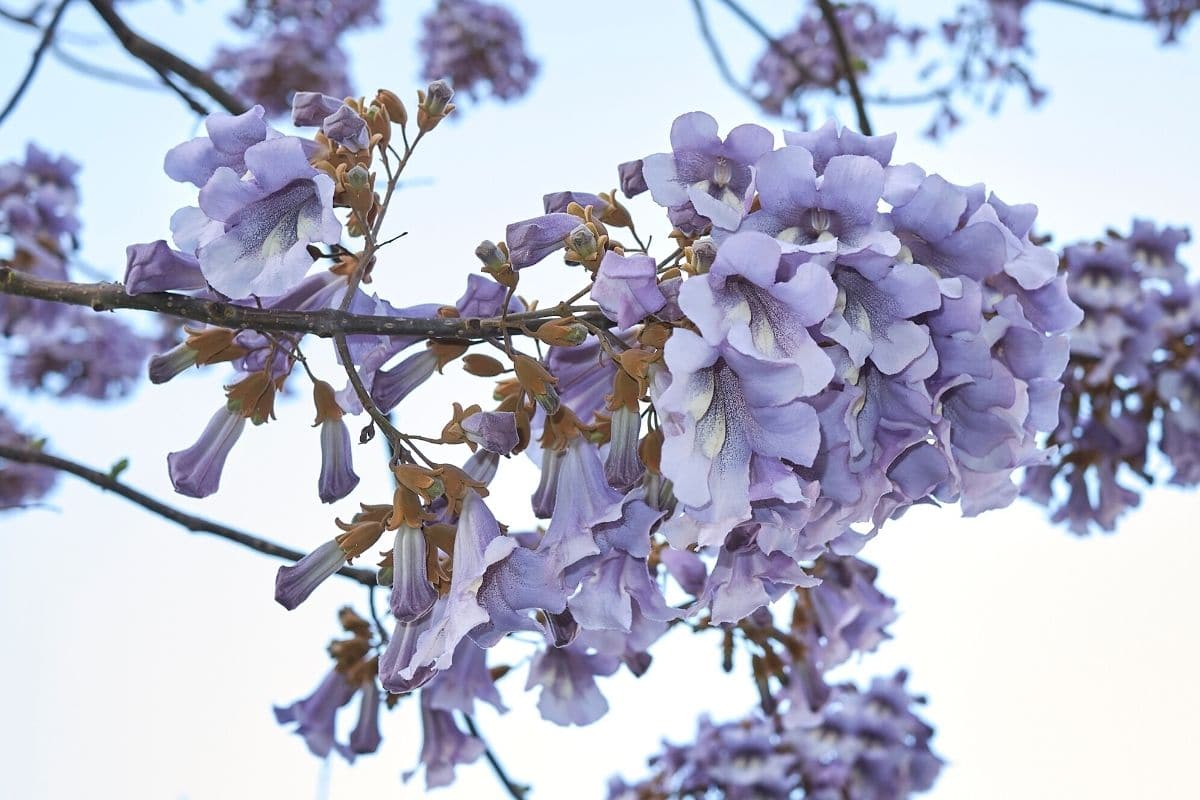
(51,347)
(1133,378)
(1171,15)
(298,45)
(835,339)
(869,744)
(20,484)
(478,47)
(810,61)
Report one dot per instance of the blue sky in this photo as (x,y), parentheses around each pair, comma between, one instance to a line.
(141,661)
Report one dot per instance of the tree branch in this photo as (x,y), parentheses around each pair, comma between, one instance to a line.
(162,60)
(515,790)
(42,47)
(192,523)
(326,323)
(1104,11)
(839,42)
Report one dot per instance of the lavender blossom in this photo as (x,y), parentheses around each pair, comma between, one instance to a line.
(626,288)
(20,483)
(477,47)
(196,471)
(444,745)
(316,715)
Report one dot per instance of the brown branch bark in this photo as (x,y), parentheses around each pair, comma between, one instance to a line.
(839,43)
(325,323)
(193,523)
(161,60)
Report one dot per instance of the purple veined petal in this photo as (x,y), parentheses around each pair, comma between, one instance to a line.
(747,143)
(852,186)
(412,594)
(583,499)
(725,212)
(826,142)
(294,583)
(483,298)
(934,210)
(276,163)
(155,267)
(264,249)
(196,471)
(191,229)
(229,137)
(337,466)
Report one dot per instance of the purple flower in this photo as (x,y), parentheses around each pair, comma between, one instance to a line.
(626,288)
(269,221)
(21,484)
(270,71)
(444,745)
(365,738)
(316,715)
(412,594)
(466,681)
(705,174)
(633,182)
(567,676)
(728,419)
(477,47)
(310,109)
(155,267)
(531,240)
(293,584)
(346,128)
(196,471)
(495,431)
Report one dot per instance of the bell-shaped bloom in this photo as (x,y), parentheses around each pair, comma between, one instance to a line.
(412,594)
(727,421)
(394,663)
(531,240)
(618,589)
(742,302)
(294,583)
(495,431)
(196,471)
(623,466)
(345,127)
(337,478)
(626,288)
(444,745)
(391,386)
(838,211)
(155,267)
(583,500)
(466,681)
(478,544)
(269,221)
(365,738)
(567,676)
(316,715)
(745,579)
(704,174)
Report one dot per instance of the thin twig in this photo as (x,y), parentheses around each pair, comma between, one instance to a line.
(325,323)
(193,523)
(160,59)
(515,790)
(35,61)
(776,45)
(714,48)
(839,42)
(1104,11)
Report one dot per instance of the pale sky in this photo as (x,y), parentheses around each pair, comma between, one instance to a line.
(141,662)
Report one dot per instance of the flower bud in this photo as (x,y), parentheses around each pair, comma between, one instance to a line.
(482,366)
(564,332)
(393,105)
(492,257)
(435,105)
(582,244)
